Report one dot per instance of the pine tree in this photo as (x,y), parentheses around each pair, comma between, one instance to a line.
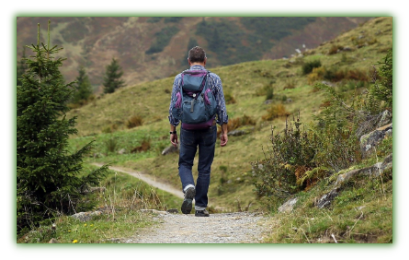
(82,87)
(49,178)
(21,67)
(112,78)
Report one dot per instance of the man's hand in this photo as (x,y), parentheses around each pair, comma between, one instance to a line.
(223,135)
(223,139)
(174,139)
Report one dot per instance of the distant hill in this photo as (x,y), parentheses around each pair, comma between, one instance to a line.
(150,48)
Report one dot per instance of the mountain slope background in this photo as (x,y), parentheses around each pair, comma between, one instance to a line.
(150,48)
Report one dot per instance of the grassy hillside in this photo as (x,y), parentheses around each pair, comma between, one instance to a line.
(351,55)
(150,48)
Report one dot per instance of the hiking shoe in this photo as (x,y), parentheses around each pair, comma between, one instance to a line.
(201,213)
(187,202)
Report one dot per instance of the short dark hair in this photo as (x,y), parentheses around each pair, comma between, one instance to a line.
(197,54)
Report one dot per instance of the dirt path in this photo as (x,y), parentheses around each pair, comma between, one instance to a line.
(148,179)
(238,227)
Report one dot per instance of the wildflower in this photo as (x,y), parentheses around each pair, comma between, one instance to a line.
(91,225)
(69,230)
(85,225)
(75,241)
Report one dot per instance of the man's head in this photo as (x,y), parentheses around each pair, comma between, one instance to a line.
(197,55)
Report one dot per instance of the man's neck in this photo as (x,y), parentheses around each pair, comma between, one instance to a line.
(197,63)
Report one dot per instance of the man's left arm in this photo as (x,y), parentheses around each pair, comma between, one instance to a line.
(222,117)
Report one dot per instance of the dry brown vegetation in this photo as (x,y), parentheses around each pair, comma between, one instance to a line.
(275,111)
(134,121)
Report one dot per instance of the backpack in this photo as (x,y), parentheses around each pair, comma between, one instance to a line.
(195,102)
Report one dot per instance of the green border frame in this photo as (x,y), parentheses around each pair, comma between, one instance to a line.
(12,250)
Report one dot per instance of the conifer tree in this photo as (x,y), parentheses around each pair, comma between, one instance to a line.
(21,67)
(49,178)
(82,87)
(112,78)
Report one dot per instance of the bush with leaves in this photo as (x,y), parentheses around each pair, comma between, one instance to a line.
(50,181)
(309,66)
(382,88)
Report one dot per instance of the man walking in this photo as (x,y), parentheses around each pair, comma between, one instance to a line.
(202,135)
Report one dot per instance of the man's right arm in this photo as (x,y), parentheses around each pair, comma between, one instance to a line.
(176,82)
(223,136)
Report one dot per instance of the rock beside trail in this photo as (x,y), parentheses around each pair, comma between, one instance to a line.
(374,170)
(241,131)
(372,139)
(325,200)
(53,241)
(86,216)
(385,119)
(170,149)
(288,205)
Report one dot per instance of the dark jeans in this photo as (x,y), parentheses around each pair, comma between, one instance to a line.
(189,140)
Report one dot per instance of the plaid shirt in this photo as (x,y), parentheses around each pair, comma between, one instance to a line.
(215,86)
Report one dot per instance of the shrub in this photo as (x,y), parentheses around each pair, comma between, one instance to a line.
(290,84)
(275,111)
(334,49)
(110,129)
(309,66)
(357,74)
(270,93)
(235,123)
(267,90)
(382,89)
(229,99)
(316,74)
(335,74)
(134,121)
(111,145)
(145,146)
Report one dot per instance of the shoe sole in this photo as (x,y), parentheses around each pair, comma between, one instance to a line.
(187,202)
(201,216)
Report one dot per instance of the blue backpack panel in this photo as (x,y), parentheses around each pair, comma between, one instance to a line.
(195,103)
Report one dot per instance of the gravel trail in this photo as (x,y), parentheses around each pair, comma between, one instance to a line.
(238,227)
